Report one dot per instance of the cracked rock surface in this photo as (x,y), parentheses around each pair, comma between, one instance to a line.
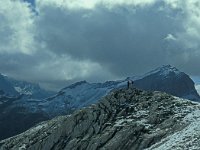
(125,119)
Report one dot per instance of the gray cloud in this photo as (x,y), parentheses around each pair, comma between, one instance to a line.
(116,39)
(16,27)
(64,41)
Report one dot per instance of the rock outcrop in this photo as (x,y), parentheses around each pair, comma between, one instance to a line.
(125,119)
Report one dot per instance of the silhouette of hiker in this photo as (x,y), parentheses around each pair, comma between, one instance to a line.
(129,84)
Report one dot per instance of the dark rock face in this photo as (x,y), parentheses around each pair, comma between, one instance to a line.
(125,119)
(16,119)
(18,99)
(170,80)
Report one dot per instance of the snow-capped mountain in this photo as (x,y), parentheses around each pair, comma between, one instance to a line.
(125,119)
(166,78)
(12,87)
(170,80)
(76,96)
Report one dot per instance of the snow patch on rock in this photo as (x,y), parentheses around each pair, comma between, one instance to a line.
(188,138)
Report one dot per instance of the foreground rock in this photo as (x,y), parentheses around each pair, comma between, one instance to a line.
(125,119)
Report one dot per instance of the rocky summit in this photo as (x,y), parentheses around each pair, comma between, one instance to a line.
(170,80)
(124,119)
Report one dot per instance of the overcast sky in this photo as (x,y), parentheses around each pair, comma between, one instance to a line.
(57,42)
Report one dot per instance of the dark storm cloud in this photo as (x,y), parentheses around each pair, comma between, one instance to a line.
(52,72)
(60,42)
(123,39)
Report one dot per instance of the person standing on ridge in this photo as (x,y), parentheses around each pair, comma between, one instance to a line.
(129,84)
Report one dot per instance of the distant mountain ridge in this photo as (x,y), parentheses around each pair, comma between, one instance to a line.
(78,95)
(165,79)
(12,87)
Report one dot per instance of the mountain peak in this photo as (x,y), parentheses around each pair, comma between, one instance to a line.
(164,71)
(170,80)
(168,67)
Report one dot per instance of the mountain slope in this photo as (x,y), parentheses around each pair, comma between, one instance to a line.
(125,119)
(170,80)
(166,79)
(19,106)
(76,96)
(27,88)
(15,118)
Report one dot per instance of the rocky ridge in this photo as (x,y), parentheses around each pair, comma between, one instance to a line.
(124,119)
(165,79)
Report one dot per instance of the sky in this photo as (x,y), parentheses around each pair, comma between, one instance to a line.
(58,42)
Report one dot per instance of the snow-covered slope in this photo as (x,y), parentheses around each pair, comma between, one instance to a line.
(164,71)
(125,119)
(12,87)
(187,138)
(198,88)
(166,79)
(76,96)
(30,89)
